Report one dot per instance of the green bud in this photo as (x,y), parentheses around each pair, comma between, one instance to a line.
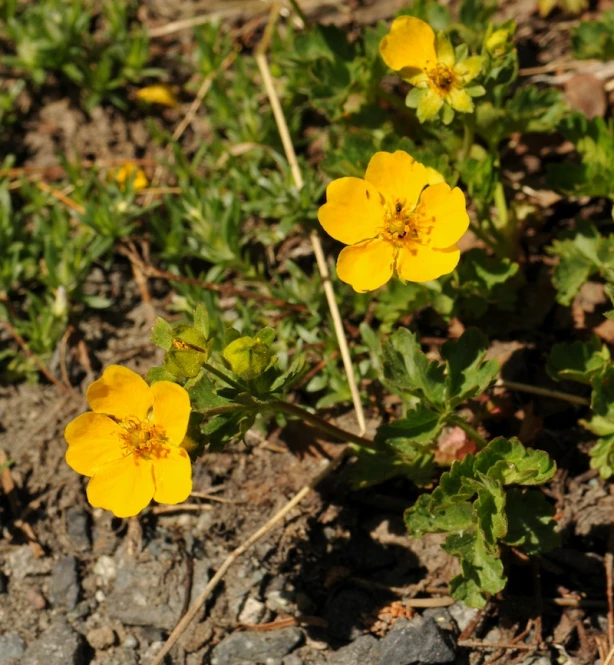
(499,43)
(248,358)
(189,350)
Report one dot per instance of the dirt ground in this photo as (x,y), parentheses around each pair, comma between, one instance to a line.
(78,586)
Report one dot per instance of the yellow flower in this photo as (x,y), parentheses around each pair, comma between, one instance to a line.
(400,219)
(130,443)
(429,63)
(127,171)
(159,93)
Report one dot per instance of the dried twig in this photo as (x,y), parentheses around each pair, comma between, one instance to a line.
(286,140)
(33,357)
(8,487)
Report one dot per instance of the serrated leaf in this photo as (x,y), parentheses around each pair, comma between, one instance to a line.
(418,426)
(482,570)
(408,369)
(490,510)
(594,39)
(578,361)
(435,513)
(204,395)
(291,375)
(602,456)
(531,522)
(162,334)
(468,374)
(508,461)
(159,374)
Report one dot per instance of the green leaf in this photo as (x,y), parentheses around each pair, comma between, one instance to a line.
(511,463)
(468,374)
(162,334)
(435,513)
(490,510)
(593,173)
(408,369)
(602,397)
(531,522)
(482,570)
(159,374)
(295,372)
(204,394)
(266,336)
(201,320)
(602,456)
(609,291)
(594,39)
(418,426)
(581,254)
(578,361)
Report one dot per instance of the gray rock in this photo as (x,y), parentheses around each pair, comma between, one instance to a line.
(539,660)
(119,657)
(442,618)
(248,648)
(11,649)
(58,645)
(78,529)
(366,649)
(21,562)
(64,584)
(147,593)
(462,614)
(292,659)
(252,612)
(130,642)
(344,613)
(419,641)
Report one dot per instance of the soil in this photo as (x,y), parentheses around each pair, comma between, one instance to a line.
(341,565)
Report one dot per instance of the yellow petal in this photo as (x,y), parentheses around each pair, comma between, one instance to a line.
(445,52)
(429,105)
(398,176)
(366,266)
(158,93)
(124,487)
(449,208)
(127,171)
(410,44)
(171,409)
(172,476)
(433,177)
(93,440)
(468,69)
(420,263)
(460,100)
(352,212)
(120,393)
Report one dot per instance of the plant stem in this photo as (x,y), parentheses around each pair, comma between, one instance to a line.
(468,136)
(224,377)
(217,410)
(503,218)
(478,439)
(543,392)
(319,423)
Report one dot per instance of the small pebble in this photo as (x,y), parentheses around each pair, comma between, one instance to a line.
(130,642)
(101,638)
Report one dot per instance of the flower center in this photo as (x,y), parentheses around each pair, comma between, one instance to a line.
(143,440)
(442,78)
(404,224)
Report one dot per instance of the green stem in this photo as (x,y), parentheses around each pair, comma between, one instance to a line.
(478,439)
(468,136)
(224,377)
(503,218)
(319,423)
(217,410)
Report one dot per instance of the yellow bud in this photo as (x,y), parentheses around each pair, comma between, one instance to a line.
(159,93)
(127,171)
(499,43)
